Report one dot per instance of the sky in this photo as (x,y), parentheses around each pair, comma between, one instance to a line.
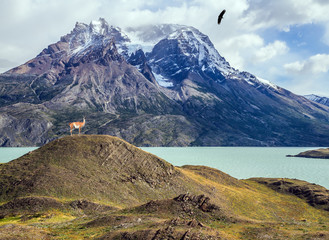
(283,41)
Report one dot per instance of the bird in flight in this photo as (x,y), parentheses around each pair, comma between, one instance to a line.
(220,17)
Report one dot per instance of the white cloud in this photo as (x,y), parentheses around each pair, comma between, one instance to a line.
(271,50)
(316,64)
(29,26)
(238,49)
(295,66)
(283,13)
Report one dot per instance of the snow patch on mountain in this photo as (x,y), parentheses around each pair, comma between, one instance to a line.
(267,82)
(162,81)
(253,80)
(313,97)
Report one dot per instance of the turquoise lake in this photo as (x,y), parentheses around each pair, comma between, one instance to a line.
(239,162)
(247,162)
(10,153)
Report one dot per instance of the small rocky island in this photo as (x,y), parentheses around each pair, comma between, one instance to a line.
(317,153)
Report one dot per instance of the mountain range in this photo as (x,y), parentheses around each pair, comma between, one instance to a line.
(318,99)
(155,85)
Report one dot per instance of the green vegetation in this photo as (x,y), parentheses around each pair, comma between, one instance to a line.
(101,187)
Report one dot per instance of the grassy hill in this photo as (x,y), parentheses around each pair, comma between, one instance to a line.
(91,167)
(101,187)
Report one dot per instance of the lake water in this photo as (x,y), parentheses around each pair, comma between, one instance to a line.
(239,162)
(247,162)
(10,153)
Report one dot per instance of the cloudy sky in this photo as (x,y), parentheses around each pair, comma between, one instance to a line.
(284,41)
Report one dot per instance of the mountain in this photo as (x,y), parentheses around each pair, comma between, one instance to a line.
(101,187)
(162,85)
(318,99)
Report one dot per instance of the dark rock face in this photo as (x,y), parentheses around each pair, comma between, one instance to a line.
(25,123)
(201,202)
(139,60)
(177,92)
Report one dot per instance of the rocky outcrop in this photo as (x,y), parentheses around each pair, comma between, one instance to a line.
(201,202)
(89,207)
(184,210)
(186,206)
(315,195)
(162,233)
(29,206)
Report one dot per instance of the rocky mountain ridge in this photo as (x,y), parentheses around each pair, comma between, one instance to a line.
(163,85)
(318,99)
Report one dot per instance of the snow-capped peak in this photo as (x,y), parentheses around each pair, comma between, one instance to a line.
(194,47)
(192,41)
(99,26)
(193,50)
(97,33)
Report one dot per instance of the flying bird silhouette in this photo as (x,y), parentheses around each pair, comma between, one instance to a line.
(220,17)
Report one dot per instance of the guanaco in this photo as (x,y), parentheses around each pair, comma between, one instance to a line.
(74,125)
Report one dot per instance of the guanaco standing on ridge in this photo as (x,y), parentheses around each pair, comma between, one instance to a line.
(74,125)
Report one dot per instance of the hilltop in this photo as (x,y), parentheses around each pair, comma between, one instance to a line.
(92,167)
(101,187)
